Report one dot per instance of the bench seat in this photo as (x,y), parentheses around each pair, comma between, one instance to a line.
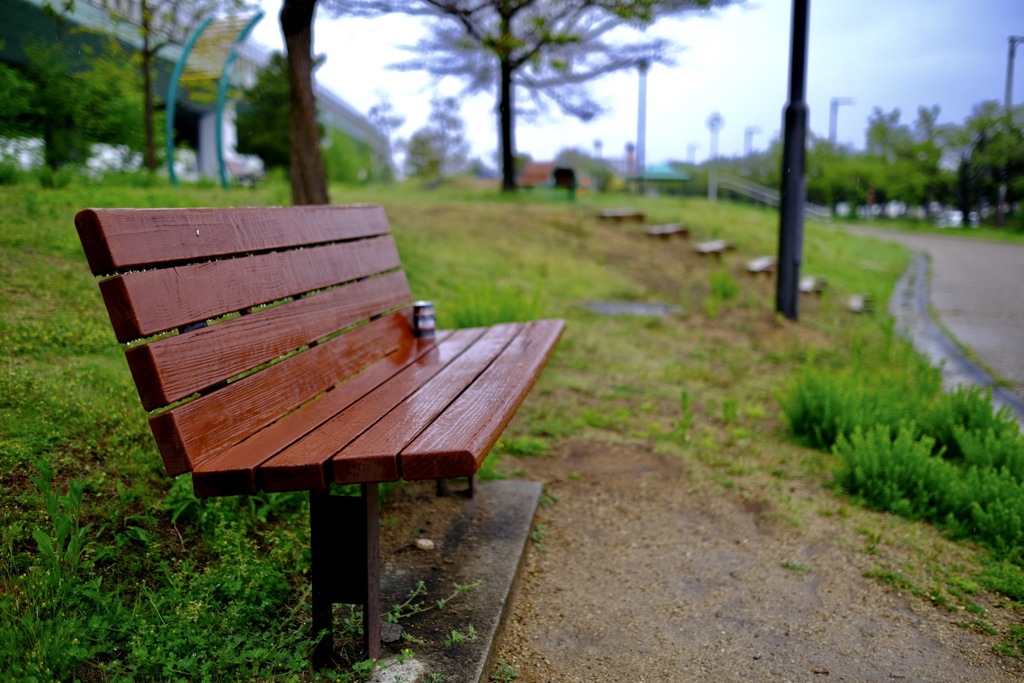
(430,410)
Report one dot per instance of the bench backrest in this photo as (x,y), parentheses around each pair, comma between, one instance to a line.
(236,317)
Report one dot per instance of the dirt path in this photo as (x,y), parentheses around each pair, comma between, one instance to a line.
(648,573)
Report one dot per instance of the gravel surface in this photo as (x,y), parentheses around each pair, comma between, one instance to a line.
(648,574)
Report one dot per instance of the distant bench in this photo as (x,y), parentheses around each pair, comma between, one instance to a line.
(621,215)
(713,248)
(281,357)
(763,265)
(667,230)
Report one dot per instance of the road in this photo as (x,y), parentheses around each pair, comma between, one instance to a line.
(976,290)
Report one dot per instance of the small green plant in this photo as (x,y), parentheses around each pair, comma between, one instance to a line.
(681,432)
(730,411)
(458,638)
(63,544)
(723,286)
(504,673)
(415,604)
(1012,644)
(537,536)
(526,446)
(796,568)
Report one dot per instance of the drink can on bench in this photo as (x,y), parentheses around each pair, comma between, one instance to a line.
(423,322)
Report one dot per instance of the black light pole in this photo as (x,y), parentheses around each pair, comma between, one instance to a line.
(794,191)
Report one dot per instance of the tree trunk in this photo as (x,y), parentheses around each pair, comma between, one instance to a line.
(306,170)
(508,151)
(147,105)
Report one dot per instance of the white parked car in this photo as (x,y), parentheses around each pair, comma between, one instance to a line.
(950,219)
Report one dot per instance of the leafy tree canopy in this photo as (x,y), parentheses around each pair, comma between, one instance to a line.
(550,49)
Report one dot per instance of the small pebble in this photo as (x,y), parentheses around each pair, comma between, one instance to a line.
(425,544)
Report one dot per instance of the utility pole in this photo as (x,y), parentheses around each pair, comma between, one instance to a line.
(833,116)
(794,190)
(1001,208)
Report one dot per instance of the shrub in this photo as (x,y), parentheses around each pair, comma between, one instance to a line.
(54,180)
(485,304)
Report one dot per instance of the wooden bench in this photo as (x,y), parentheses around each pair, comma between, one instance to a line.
(667,230)
(621,215)
(274,350)
(763,265)
(860,303)
(713,248)
(811,284)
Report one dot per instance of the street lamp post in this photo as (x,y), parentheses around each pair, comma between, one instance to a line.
(641,124)
(748,137)
(794,191)
(1001,209)
(833,116)
(715,122)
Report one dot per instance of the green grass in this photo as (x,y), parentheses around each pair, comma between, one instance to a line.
(110,570)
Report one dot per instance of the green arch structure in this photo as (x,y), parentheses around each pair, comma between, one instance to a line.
(222,95)
(172,95)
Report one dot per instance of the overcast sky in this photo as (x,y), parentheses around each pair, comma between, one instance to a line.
(880,53)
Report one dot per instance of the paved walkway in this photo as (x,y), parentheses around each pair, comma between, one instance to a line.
(976,290)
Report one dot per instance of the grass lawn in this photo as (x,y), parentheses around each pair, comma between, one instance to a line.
(109,570)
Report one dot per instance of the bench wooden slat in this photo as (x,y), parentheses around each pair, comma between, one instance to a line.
(456,443)
(122,239)
(381,443)
(173,368)
(195,431)
(235,470)
(306,461)
(145,303)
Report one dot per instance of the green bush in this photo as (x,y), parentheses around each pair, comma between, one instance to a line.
(9,173)
(906,447)
(904,476)
(50,179)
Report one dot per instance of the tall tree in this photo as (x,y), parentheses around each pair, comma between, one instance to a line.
(387,122)
(158,23)
(71,109)
(992,149)
(308,178)
(16,95)
(439,148)
(886,136)
(551,48)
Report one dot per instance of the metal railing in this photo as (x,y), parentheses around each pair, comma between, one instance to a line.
(771,197)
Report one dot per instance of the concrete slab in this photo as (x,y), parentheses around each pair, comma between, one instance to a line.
(486,544)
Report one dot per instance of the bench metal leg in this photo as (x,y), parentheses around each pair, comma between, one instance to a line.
(345,550)
(442,486)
